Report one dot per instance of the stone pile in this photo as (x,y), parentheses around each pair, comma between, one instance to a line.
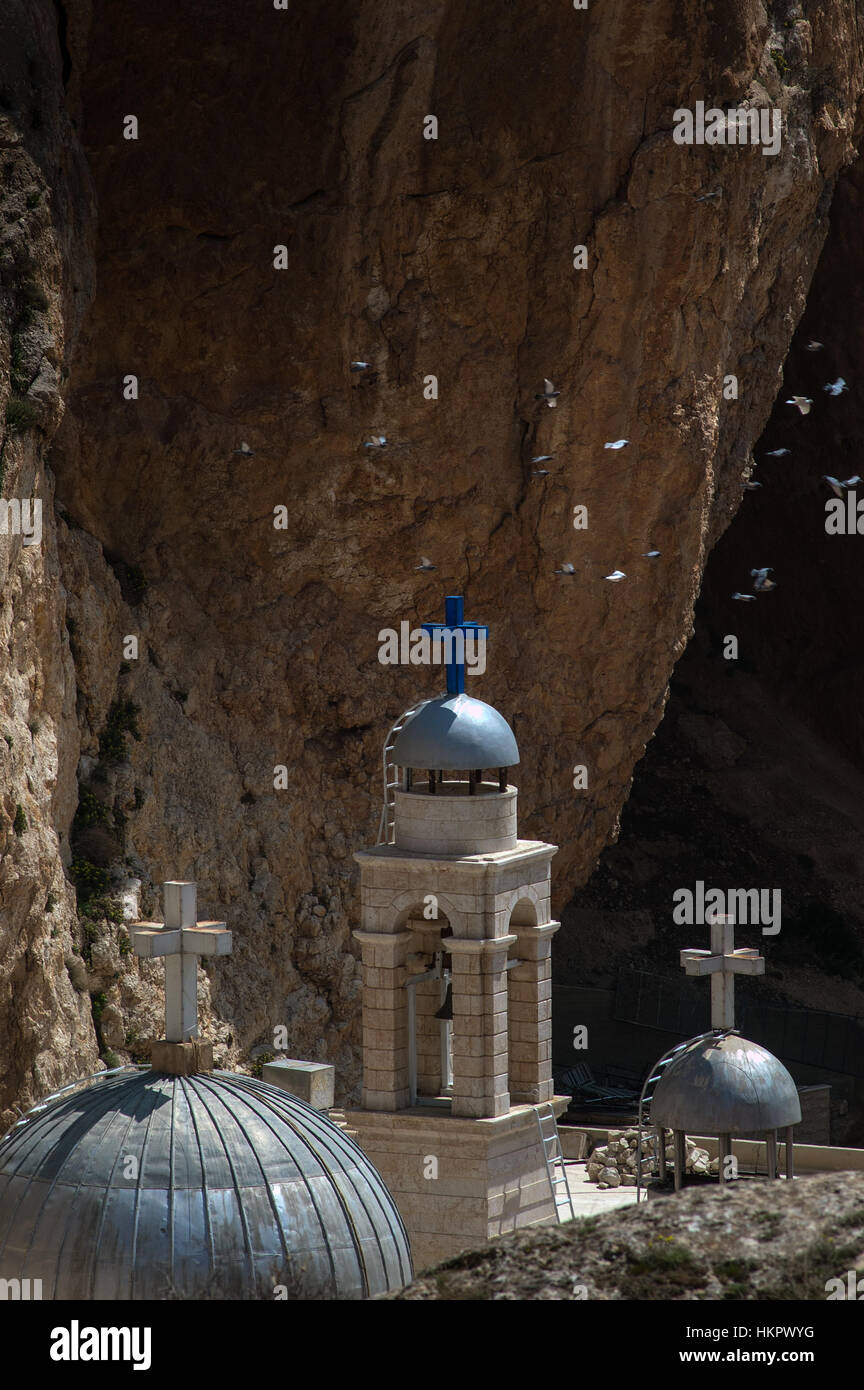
(613,1164)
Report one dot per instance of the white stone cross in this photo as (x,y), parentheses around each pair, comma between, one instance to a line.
(181,941)
(723,963)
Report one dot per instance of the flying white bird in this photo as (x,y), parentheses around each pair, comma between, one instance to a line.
(425,564)
(837,486)
(378,441)
(650,554)
(616,576)
(803,403)
(245,451)
(360,366)
(836,388)
(813,346)
(777,453)
(541,473)
(617,444)
(761,582)
(566,568)
(750,486)
(543,458)
(745,598)
(549,393)
(705,196)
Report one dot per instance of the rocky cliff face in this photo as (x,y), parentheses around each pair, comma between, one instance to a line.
(46,279)
(450,258)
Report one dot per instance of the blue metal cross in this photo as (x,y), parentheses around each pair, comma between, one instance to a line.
(453,623)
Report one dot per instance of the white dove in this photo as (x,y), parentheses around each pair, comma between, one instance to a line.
(836,388)
(425,564)
(837,487)
(617,444)
(803,403)
(745,598)
(777,453)
(245,451)
(566,568)
(549,393)
(378,441)
(761,582)
(616,576)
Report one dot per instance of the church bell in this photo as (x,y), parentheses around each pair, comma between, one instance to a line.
(446,1010)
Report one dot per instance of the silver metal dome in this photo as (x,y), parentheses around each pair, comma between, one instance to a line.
(725,1086)
(455,733)
(149,1186)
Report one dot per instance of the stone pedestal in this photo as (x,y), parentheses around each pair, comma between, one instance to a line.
(459,1182)
(313,1082)
(181,1058)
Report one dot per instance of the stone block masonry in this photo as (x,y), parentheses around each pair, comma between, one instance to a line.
(459,1181)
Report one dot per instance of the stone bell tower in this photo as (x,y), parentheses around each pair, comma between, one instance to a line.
(456,952)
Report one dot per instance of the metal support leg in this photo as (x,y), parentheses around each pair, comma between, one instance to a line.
(660,1152)
(771,1152)
(678,1141)
(790,1153)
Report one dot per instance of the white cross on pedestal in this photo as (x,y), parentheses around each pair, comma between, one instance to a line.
(723,963)
(181,941)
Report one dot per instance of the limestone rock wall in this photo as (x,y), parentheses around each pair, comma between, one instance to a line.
(450,257)
(46,209)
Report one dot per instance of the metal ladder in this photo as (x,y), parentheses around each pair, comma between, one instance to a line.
(554,1160)
(646,1096)
(386,826)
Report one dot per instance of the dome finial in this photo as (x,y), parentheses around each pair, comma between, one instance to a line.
(181,940)
(723,962)
(454,631)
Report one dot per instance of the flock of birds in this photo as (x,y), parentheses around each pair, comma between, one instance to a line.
(762,583)
(550,396)
(761,576)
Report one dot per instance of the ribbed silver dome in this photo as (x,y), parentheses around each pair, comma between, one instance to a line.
(239,1187)
(455,733)
(730,1086)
